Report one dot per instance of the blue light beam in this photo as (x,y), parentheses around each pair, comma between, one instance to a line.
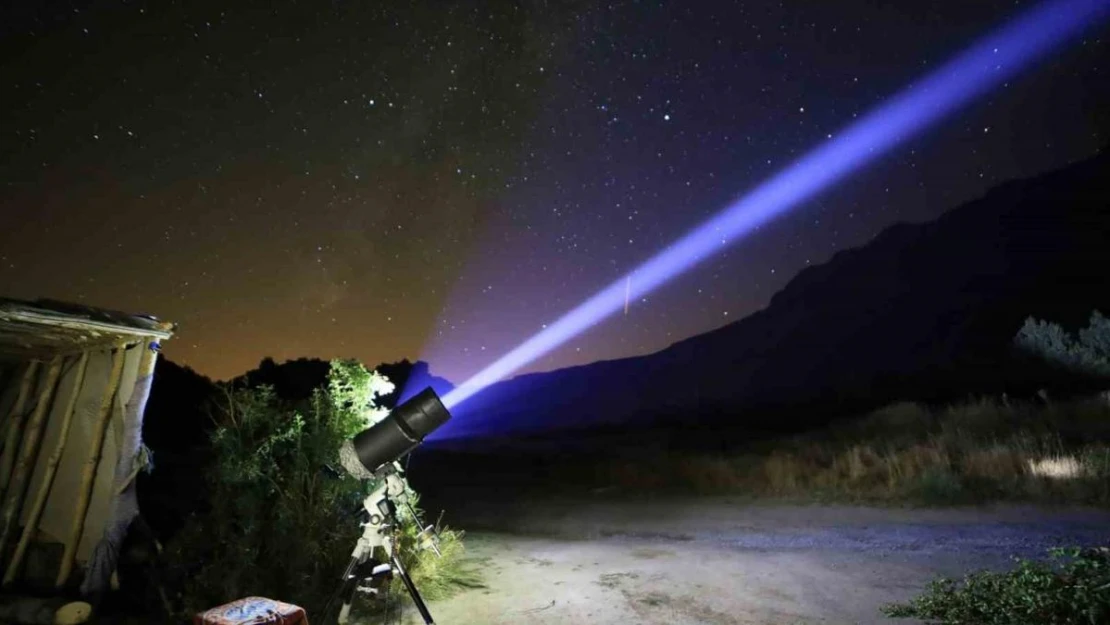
(994,59)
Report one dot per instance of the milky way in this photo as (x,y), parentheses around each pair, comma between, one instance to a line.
(327,179)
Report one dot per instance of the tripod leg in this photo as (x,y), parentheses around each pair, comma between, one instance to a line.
(413,591)
(348,584)
(348,594)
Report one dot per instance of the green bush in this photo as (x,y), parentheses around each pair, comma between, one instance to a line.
(1073,588)
(279,524)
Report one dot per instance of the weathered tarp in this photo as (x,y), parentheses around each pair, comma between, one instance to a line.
(125,503)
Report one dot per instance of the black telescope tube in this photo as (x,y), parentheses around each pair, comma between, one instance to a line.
(401,431)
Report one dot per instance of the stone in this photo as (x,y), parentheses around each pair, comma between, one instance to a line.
(72,613)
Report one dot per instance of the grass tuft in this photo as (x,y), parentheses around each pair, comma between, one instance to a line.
(439,577)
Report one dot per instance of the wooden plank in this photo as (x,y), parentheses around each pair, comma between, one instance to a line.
(14,424)
(96,448)
(51,470)
(87,325)
(13,496)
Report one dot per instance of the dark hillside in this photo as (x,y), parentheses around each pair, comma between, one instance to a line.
(923,312)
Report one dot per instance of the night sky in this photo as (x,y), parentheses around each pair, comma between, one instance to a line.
(343,179)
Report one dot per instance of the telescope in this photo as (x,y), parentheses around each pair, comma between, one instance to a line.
(374,454)
(391,438)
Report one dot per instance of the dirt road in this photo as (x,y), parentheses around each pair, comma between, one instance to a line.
(729,562)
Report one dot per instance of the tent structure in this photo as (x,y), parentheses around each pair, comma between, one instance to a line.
(74,381)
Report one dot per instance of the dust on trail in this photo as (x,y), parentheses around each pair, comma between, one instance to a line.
(717,562)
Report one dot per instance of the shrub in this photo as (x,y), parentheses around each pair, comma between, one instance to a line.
(1088,353)
(279,523)
(1072,589)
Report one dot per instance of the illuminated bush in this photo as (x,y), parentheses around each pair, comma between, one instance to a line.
(279,524)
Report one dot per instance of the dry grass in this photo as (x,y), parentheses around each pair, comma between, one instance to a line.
(435,577)
(441,576)
(1057,467)
(979,451)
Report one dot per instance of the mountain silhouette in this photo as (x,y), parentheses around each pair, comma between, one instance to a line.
(923,312)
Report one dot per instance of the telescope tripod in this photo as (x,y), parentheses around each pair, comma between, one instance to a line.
(378,532)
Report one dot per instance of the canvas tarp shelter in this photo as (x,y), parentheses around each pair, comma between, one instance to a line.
(73,385)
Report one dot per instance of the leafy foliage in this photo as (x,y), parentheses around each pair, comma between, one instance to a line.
(1087,353)
(278,524)
(1072,590)
(354,391)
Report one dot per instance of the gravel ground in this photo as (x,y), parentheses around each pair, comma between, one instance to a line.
(725,561)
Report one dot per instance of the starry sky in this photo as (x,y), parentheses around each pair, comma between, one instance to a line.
(388,180)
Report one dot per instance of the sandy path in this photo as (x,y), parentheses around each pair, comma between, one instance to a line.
(719,561)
